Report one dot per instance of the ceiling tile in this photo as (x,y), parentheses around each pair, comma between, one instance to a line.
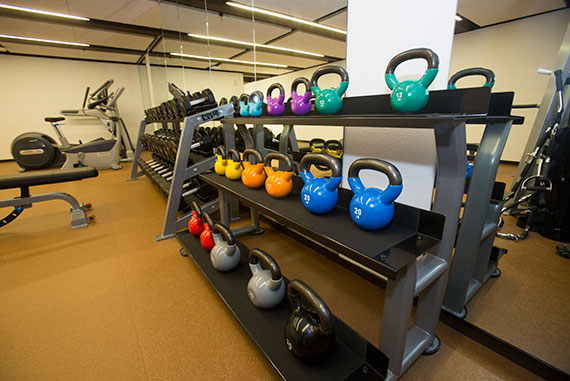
(249,69)
(279,59)
(337,21)
(196,49)
(312,43)
(36,29)
(107,56)
(59,6)
(486,12)
(118,40)
(179,62)
(299,8)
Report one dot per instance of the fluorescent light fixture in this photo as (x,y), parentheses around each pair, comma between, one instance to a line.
(458,18)
(256,45)
(282,16)
(42,40)
(227,60)
(15,8)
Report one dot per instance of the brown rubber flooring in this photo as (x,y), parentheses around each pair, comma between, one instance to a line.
(108,302)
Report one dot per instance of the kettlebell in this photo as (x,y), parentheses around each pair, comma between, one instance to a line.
(278,183)
(411,96)
(300,103)
(221,162)
(253,175)
(255,103)
(234,167)
(244,105)
(275,106)
(372,208)
(488,74)
(320,195)
(266,287)
(195,225)
(225,254)
(333,148)
(206,237)
(329,101)
(309,333)
(317,145)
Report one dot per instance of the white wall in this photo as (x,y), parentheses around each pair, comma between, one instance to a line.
(513,51)
(33,88)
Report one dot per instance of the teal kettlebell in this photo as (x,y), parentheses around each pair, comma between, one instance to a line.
(329,101)
(255,103)
(411,96)
(488,74)
(244,105)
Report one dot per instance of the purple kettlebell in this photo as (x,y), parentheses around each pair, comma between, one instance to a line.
(301,104)
(275,106)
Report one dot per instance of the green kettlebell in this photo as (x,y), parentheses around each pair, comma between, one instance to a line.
(411,96)
(488,74)
(329,101)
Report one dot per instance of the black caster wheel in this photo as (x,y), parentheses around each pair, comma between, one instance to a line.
(183,253)
(257,231)
(497,273)
(87,206)
(90,217)
(433,347)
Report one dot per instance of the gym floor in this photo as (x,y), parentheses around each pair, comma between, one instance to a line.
(110,302)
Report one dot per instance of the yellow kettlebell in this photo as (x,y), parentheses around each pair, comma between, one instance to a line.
(253,175)
(221,162)
(278,183)
(317,145)
(234,167)
(333,148)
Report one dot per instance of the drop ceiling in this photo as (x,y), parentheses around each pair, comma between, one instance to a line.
(123,30)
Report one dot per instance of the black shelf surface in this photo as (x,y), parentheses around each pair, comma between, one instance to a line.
(388,251)
(354,358)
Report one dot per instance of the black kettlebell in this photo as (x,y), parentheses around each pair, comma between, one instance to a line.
(309,333)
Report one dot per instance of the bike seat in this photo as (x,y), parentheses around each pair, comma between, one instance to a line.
(54,119)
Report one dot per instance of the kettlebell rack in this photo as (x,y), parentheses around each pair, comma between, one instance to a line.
(181,172)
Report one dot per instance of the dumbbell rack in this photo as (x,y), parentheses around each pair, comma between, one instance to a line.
(182,171)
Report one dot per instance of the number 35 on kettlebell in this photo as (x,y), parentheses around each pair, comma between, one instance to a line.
(411,96)
(373,208)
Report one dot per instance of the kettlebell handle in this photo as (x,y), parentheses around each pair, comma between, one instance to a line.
(220,150)
(379,165)
(257,96)
(488,74)
(252,152)
(275,86)
(233,154)
(235,101)
(329,69)
(297,289)
(281,157)
(225,232)
(315,141)
(267,262)
(298,81)
(223,101)
(208,219)
(244,98)
(318,158)
(196,208)
(333,142)
(427,54)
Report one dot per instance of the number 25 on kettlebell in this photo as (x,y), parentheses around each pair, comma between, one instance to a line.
(372,208)
(411,96)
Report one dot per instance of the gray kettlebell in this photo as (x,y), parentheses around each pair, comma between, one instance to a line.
(266,287)
(225,254)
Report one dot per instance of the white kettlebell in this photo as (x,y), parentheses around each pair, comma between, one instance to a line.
(266,287)
(225,254)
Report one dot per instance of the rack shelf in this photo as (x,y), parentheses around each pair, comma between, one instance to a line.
(353,358)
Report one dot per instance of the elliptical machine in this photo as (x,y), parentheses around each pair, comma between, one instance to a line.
(35,150)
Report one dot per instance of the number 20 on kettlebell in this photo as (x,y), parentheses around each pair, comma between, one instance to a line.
(373,208)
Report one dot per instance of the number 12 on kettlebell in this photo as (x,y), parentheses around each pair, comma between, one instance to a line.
(373,208)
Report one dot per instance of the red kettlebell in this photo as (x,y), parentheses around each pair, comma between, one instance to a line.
(196,225)
(207,236)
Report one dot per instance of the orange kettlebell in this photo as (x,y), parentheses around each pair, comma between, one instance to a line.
(278,183)
(253,175)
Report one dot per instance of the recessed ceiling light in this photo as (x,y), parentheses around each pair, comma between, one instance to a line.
(42,40)
(256,45)
(15,8)
(458,18)
(204,58)
(286,17)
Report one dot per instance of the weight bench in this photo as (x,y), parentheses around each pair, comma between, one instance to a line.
(25,180)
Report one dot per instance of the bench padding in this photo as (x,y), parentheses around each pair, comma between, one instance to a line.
(46,177)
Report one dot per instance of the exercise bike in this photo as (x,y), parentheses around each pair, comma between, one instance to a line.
(35,150)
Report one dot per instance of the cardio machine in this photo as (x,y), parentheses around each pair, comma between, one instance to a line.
(34,150)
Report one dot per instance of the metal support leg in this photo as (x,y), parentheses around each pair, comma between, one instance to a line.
(137,155)
(259,138)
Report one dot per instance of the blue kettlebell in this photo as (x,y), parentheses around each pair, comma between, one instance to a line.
(488,74)
(329,101)
(255,103)
(244,105)
(320,195)
(411,96)
(373,208)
